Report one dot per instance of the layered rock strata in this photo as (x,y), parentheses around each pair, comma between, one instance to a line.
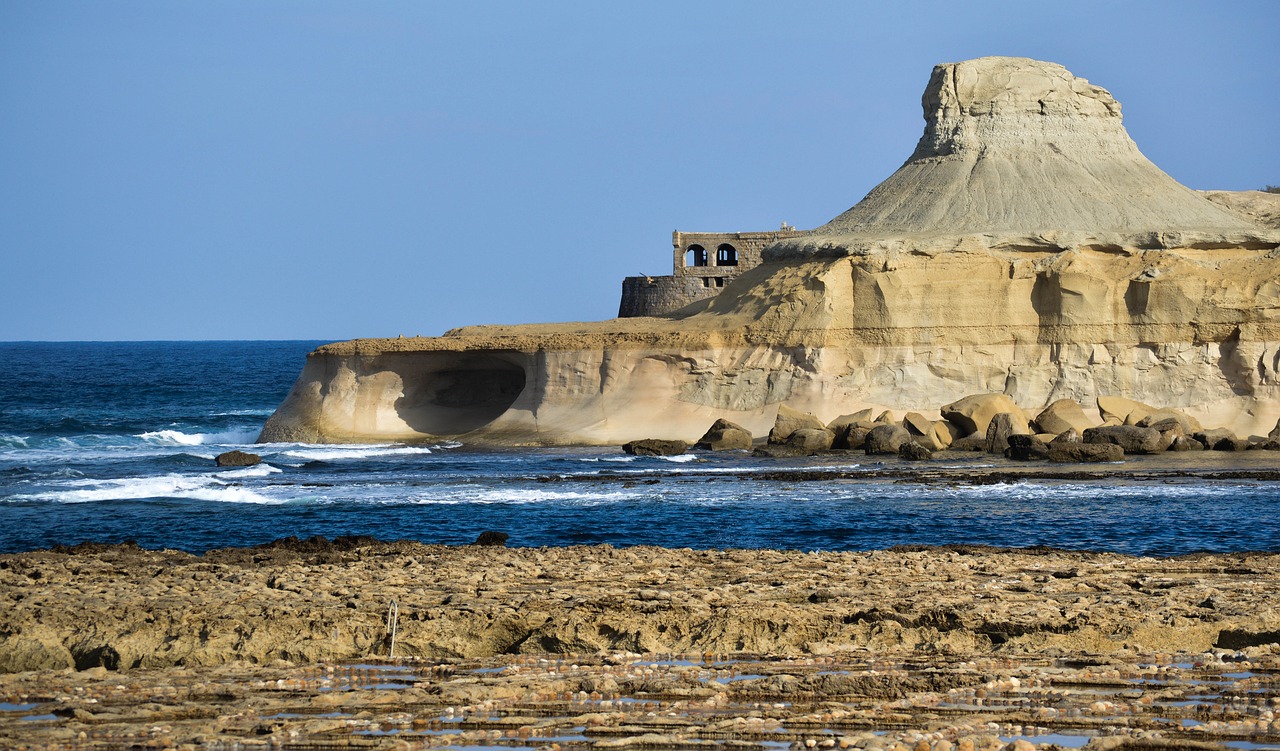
(1026,247)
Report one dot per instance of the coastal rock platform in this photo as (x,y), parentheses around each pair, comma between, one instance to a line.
(602,647)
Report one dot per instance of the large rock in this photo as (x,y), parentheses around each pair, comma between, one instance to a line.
(853,418)
(237,459)
(1160,417)
(1131,438)
(811,439)
(914,452)
(1085,452)
(1026,246)
(973,413)
(1221,439)
(886,439)
(725,436)
(1121,411)
(1001,427)
(1063,415)
(655,447)
(789,421)
(851,437)
(1026,447)
(1275,432)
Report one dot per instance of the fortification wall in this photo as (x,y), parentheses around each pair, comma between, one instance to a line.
(702,264)
(659,295)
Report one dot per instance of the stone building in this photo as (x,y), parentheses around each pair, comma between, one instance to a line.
(702,264)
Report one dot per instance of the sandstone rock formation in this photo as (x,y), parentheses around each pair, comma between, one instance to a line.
(1026,248)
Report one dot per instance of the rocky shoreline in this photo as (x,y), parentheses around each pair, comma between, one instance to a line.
(601,647)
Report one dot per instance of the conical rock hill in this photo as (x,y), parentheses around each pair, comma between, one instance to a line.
(1026,154)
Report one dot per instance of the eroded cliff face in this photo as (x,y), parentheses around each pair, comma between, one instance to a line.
(1026,247)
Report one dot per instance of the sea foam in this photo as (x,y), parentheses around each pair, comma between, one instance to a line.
(326,453)
(179,438)
(204,487)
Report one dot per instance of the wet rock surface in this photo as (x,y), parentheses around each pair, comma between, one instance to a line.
(598,647)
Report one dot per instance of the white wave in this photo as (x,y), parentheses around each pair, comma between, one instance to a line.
(326,453)
(520,496)
(179,438)
(258,470)
(192,487)
(13,441)
(680,458)
(243,413)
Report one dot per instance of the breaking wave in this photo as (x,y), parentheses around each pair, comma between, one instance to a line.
(189,487)
(326,454)
(178,438)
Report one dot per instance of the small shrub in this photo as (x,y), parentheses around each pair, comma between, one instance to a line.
(1271,189)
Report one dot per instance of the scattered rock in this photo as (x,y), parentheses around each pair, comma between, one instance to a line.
(912,451)
(973,413)
(886,439)
(854,437)
(844,421)
(1122,411)
(811,439)
(725,436)
(1061,416)
(1131,438)
(1003,425)
(492,538)
(969,443)
(1026,447)
(1067,436)
(1189,424)
(789,421)
(655,447)
(1220,439)
(237,459)
(1068,453)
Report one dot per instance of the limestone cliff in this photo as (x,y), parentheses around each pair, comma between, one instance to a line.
(1026,247)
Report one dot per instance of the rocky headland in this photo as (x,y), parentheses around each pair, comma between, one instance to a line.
(599,647)
(1025,248)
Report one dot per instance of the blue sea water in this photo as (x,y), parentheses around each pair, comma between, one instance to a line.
(109,442)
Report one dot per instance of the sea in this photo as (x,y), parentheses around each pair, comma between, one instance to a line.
(111,442)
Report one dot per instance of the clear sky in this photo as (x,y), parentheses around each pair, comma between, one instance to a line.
(329,170)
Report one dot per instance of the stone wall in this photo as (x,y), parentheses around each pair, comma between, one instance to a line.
(657,295)
(702,264)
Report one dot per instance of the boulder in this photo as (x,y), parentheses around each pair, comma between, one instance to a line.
(851,437)
(1189,424)
(655,447)
(724,436)
(1220,439)
(914,452)
(1067,453)
(886,439)
(1063,415)
(853,418)
(973,413)
(237,459)
(1026,447)
(885,418)
(1131,438)
(811,439)
(1122,411)
(1067,436)
(1275,432)
(1002,426)
(778,451)
(969,443)
(789,421)
(490,538)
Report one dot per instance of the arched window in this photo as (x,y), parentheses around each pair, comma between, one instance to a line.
(696,256)
(726,255)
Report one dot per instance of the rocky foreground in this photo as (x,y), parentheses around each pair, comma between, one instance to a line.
(597,647)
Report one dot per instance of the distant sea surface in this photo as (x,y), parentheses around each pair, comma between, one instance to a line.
(109,442)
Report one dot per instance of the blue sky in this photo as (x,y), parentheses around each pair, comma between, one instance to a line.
(233,170)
